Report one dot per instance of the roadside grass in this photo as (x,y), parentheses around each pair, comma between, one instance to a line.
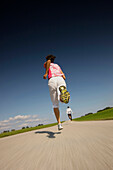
(26,130)
(102,115)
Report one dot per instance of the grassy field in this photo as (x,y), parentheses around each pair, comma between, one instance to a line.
(25,130)
(102,115)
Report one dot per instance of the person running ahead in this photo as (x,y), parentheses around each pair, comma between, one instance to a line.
(69,113)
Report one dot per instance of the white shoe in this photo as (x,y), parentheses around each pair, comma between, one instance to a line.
(60,126)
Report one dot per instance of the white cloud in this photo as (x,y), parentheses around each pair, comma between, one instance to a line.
(34,116)
(5,121)
(32,120)
(2,124)
(20,121)
(23,125)
(5,128)
(13,120)
(20,117)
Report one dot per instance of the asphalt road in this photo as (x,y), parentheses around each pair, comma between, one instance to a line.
(79,146)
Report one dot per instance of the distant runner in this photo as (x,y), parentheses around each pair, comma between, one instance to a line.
(57,86)
(69,113)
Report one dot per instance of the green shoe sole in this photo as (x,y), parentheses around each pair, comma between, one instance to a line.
(65,95)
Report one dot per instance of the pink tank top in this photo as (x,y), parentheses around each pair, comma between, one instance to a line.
(54,71)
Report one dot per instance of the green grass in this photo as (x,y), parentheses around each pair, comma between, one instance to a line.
(102,115)
(25,130)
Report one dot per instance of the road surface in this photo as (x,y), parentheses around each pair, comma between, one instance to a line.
(79,146)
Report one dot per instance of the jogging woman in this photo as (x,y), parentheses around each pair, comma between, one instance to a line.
(57,86)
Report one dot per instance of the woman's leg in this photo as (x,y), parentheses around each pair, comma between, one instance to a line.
(57,114)
(70,117)
(54,98)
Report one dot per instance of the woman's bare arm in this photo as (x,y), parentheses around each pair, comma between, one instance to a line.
(63,75)
(48,62)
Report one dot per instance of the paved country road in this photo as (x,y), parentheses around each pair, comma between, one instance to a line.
(79,146)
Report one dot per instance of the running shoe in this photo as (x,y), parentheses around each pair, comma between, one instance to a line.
(64,94)
(60,126)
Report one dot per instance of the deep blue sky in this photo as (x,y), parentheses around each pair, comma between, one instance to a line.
(79,34)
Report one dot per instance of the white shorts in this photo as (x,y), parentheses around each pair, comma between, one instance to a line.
(54,83)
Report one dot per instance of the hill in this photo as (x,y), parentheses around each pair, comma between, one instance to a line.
(105,114)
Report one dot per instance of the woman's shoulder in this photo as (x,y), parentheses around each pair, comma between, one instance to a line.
(55,64)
